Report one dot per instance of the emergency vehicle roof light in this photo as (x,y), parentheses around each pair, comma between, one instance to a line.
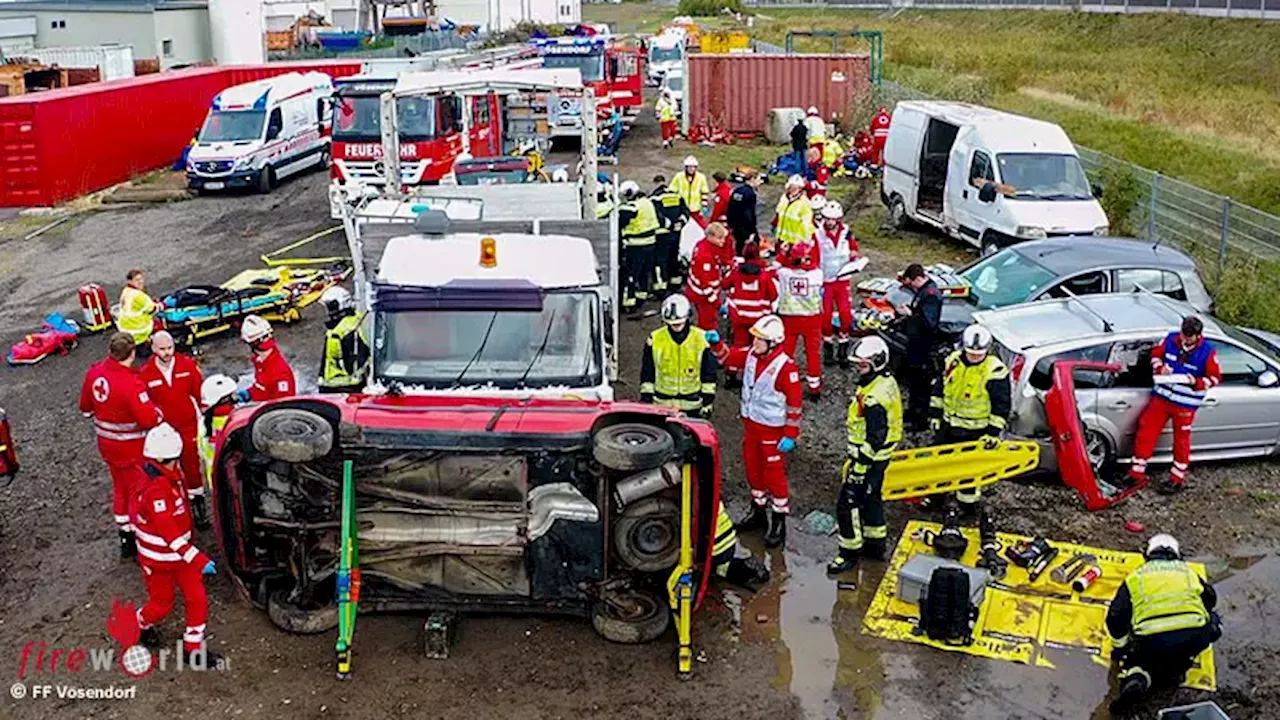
(488,252)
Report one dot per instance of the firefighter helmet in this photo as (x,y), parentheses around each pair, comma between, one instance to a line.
(976,339)
(336,299)
(561,175)
(215,389)
(813,110)
(795,181)
(254,329)
(817,202)
(1163,541)
(675,309)
(872,350)
(163,443)
(769,329)
(691,161)
(833,210)
(629,189)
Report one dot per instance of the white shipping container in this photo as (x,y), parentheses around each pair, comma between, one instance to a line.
(113,61)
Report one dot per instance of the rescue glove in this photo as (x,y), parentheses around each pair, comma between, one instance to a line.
(786,445)
(704,412)
(935,425)
(713,337)
(242,396)
(990,442)
(853,471)
(209,569)
(724,309)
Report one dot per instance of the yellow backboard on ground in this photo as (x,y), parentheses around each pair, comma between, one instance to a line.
(1019,620)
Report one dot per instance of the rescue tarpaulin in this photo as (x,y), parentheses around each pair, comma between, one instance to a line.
(1020,620)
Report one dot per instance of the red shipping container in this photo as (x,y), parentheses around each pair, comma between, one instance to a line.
(736,92)
(60,144)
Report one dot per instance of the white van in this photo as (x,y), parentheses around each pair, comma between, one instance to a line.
(666,53)
(260,132)
(987,177)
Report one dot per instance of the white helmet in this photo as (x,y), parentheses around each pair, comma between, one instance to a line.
(629,189)
(215,389)
(691,161)
(560,175)
(817,202)
(676,309)
(795,181)
(336,299)
(813,110)
(1161,541)
(976,339)
(833,210)
(872,350)
(254,328)
(163,443)
(769,329)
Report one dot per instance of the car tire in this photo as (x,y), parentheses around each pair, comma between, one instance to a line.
(631,447)
(898,214)
(1097,447)
(299,620)
(292,435)
(266,180)
(646,535)
(631,617)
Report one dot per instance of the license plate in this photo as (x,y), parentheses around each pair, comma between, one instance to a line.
(214,186)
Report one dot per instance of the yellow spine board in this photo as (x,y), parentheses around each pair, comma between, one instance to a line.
(960,466)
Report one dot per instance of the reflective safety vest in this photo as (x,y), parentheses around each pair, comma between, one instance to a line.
(137,310)
(966,404)
(666,111)
(205,442)
(817,129)
(341,345)
(882,391)
(762,402)
(678,369)
(726,538)
(692,191)
(642,228)
(1166,597)
(799,291)
(795,220)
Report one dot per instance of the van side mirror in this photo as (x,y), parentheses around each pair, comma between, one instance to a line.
(987,193)
(1268,379)
(1097,190)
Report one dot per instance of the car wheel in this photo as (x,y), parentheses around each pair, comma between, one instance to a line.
(630,617)
(898,214)
(1099,451)
(292,435)
(632,446)
(647,535)
(298,619)
(266,180)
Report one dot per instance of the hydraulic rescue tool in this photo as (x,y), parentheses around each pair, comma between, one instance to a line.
(989,557)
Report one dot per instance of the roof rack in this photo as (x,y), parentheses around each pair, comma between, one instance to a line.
(1106,324)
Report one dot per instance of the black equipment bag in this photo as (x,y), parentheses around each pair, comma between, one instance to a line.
(945,611)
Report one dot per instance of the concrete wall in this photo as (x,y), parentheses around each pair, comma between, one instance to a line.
(17,33)
(92,28)
(188,29)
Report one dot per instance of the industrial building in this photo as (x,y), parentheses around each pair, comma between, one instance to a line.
(175,32)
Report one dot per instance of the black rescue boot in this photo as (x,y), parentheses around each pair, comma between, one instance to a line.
(747,573)
(150,638)
(844,562)
(1132,689)
(828,353)
(128,546)
(777,533)
(842,354)
(200,512)
(873,549)
(758,519)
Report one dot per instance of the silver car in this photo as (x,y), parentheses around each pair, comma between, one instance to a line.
(1240,417)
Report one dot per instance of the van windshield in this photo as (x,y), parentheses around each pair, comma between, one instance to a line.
(232,126)
(1006,278)
(508,349)
(359,117)
(662,55)
(1041,176)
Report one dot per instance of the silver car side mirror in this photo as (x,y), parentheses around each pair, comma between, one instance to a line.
(1268,379)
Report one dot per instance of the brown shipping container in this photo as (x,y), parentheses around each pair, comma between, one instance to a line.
(737,92)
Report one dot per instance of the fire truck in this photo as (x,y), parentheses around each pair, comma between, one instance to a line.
(610,70)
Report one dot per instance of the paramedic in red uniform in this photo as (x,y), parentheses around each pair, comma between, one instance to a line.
(169,561)
(799,282)
(706,276)
(771,400)
(751,293)
(836,248)
(879,135)
(819,174)
(173,381)
(122,413)
(1190,365)
(272,376)
(720,197)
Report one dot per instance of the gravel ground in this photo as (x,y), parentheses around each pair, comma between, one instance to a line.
(793,650)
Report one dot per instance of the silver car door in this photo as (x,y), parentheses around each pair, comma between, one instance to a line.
(1238,416)
(1121,402)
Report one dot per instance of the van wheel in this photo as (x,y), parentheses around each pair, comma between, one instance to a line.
(266,180)
(630,617)
(647,535)
(299,619)
(898,214)
(632,446)
(292,435)
(990,244)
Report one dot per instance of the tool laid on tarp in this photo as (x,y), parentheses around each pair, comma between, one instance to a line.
(1034,623)
(1063,416)
(989,553)
(959,466)
(1074,565)
(58,335)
